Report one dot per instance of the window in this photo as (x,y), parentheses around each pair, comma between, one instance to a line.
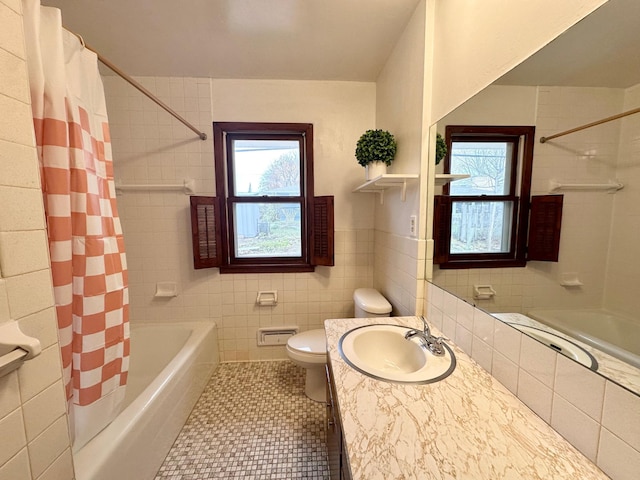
(483,220)
(265,217)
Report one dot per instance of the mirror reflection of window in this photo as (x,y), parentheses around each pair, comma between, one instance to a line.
(487,163)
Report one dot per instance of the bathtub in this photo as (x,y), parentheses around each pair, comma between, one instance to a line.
(610,332)
(169,367)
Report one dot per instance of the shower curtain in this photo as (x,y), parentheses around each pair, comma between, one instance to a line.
(85,238)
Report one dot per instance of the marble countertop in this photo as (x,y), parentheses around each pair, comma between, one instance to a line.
(467,426)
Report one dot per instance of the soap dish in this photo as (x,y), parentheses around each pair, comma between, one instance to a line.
(166,289)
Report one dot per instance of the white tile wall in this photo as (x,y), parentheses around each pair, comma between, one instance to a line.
(399,271)
(600,418)
(34,436)
(17,467)
(623,274)
(537,396)
(151,147)
(538,360)
(621,414)
(43,409)
(45,449)
(617,458)
(576,426)
(12,248)
(584,389)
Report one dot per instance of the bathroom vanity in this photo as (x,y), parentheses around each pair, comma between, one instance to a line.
(338,460)
(466,426)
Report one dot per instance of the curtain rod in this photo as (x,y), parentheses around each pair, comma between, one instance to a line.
(107,63)
(592,124)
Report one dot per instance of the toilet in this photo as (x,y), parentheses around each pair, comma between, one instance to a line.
(368,303)
(309,349)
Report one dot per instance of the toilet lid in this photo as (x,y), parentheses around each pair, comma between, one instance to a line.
(371,301)
(312,341)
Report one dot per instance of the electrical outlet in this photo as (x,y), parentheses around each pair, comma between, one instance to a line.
(412,225)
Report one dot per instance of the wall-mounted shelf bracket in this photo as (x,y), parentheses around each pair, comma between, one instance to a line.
(380,184)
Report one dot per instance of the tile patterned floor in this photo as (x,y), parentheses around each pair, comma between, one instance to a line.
(253,421)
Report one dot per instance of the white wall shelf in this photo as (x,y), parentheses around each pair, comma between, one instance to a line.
(388,180)
(612,186)
(187,187)
(443,178)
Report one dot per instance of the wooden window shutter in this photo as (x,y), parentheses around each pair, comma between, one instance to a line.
(205,231)
(545,222)
(441,228)
(321,242)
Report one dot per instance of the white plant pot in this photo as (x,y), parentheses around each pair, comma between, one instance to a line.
(375,169)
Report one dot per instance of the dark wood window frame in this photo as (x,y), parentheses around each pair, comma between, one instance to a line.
(213,242)
(523,137)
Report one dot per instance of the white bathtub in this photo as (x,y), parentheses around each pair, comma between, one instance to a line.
(169,368)
(613,333)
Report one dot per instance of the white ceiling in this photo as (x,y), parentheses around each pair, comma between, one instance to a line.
(603,50)
(325,40)
(278,39)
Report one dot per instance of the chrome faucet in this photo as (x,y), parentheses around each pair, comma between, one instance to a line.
(431,343)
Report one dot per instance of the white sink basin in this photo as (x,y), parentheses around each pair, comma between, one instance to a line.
(560,344)
(382,352)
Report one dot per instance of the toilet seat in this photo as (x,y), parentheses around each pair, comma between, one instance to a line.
(311,341)
(308,347)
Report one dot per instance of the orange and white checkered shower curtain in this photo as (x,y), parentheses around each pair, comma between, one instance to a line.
(85,238)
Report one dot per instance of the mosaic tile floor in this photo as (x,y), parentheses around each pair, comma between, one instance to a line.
(253,421)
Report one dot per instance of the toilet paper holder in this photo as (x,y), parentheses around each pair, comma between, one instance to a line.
(267,298)
(15,347)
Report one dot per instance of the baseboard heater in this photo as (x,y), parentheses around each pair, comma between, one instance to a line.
(275,335)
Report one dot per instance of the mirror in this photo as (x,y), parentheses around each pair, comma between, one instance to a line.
(589,73)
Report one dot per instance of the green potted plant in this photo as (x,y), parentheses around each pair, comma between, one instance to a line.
(441,148)
(375,151)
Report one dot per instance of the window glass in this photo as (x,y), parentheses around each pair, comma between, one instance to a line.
(481,227)
(487,163)
(267,230)
(266,167)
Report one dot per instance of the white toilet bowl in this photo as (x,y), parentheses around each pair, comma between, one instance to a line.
(309,351)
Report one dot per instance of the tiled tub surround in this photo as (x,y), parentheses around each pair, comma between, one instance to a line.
(467,426)
(151,147)
(600,418)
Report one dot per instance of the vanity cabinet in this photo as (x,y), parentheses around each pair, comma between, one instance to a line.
(338,463)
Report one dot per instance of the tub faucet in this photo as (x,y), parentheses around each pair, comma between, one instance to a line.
(431,343)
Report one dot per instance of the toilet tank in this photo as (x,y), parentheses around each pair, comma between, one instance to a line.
(369,302)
